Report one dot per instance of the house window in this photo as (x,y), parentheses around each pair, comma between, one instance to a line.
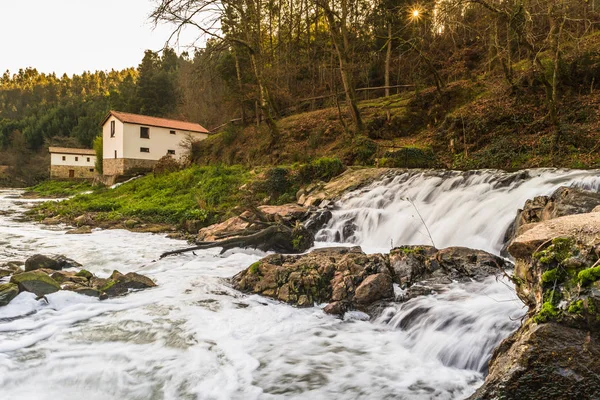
(76,158)
(91,169)
(171,152)
(115,154)
(144,132)
(64,158)
(172,132)
(112,128)
(88,159)
(144,150)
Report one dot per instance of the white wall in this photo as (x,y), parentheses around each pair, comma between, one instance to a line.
(57,159)
(160,141)
(112,144)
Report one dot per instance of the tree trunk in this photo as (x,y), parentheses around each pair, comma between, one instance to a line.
(388,61)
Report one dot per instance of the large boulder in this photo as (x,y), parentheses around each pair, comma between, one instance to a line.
(555,354)
(544,361)
(584,226)
(322,276)
(36,282)
(8,291)
(347,278)
(563,202)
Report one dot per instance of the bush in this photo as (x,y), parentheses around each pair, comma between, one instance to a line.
(230,134)
(362,151)
(99,149)
(277,182)
(166,165)
(324,169)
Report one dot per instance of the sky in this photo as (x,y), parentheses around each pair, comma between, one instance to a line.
(72,36)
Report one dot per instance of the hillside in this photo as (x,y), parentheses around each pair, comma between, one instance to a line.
(469,125)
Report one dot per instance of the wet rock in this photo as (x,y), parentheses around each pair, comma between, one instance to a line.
(39,261)
(373,288)
(35,282)
(324,275)
(84,219)
(8,291)
(548,361)
(286,214)
(411,263)
(119,284)
(228,228)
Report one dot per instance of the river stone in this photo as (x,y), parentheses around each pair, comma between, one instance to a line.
(35,282)
(120,284)
(8,291)
(39,261)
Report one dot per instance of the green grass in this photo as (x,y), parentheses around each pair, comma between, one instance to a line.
(60,188)
(196,193)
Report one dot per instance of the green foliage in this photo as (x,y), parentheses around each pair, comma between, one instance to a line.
(589,275)
(277,182)
(61,188)
(552,276)
(362,150)
(558,251)
(99,149)
(230,134)
(191,194)
(325,169)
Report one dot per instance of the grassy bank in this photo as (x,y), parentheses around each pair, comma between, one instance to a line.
(195,197)
(58,189)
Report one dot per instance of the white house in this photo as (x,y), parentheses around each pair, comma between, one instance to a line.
(72,163)
(134,142)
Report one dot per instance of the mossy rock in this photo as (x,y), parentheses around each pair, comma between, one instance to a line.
(35,282)
(84,273)
(120,284)
(8,291)
(39,261)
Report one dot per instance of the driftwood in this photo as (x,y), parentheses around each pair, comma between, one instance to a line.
(279,237)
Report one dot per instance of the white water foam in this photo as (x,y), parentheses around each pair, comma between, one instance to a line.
(471,209)
(194,337)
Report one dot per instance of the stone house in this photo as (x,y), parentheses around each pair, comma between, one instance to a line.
(134,143)
(69,163)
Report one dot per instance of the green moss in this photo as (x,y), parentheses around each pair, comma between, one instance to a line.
(559,250)
(107,286)
(576,307)
(589,275)
(552,276)
(254,269)
(548,313)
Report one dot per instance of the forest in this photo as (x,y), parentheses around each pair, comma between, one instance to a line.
(263,60)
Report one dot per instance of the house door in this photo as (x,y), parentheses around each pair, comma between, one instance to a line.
(71,173)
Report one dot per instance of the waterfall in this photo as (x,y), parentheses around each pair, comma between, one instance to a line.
(471,209)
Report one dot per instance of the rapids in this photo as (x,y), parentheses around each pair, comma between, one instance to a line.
(194,337)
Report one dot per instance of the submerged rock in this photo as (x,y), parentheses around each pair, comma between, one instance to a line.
(39,261)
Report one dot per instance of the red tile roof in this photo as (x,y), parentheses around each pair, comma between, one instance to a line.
(69,150)
(154,121)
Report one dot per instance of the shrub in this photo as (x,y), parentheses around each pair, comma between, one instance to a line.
(230,134)
(324,169)
(362,150)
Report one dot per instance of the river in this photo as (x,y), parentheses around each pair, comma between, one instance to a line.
(194,337)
